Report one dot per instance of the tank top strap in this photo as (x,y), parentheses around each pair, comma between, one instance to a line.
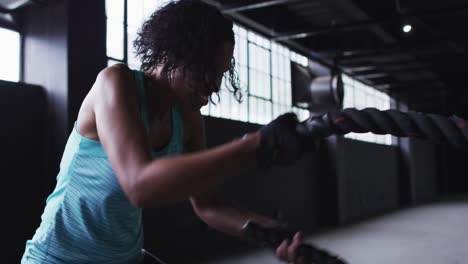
(142,97)
(178,129)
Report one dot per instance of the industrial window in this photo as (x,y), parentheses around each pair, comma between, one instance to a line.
(124,18)
(10,55)
(263,66)
(359,95)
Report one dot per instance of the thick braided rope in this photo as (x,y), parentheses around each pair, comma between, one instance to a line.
(433,127)
(273,237)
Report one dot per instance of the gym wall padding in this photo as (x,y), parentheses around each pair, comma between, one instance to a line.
(456,177)
(367,179)
(22,164)
(423,171)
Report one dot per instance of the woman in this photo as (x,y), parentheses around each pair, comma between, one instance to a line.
(139,141)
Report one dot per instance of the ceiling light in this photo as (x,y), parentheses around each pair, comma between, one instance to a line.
(407,28)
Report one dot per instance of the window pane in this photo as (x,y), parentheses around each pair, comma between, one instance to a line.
(276,111)
(115,10)
(215,109)
(224,104)
(253,110)
(112,62)
(140,10)
(243,110)
(205,110)
(275,90)
(135,13)
(115,39)
(242,74)
(133,61)
(286,69)
(274,64)
(259,75)
(10,55)
(259,84)
(259,58)
(259,40)
(262,112)
(268,114)
(235,108)
(288,95)
(159,3)
(240,50)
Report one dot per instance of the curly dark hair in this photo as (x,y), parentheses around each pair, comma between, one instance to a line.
(185,34)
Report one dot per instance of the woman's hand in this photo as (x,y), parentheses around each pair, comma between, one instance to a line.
(280,143)
(287,250)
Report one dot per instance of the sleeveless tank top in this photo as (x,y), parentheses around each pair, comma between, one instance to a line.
(88,218)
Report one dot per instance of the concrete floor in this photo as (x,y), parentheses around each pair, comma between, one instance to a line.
(435,233)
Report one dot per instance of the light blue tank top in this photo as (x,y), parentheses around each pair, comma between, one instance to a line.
(88,218)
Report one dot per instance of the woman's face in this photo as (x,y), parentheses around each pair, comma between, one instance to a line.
(193,94)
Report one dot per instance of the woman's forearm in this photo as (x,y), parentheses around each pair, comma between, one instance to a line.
(230,219)
(173,179)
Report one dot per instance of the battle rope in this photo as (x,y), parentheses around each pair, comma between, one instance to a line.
(272,237)
(433,127)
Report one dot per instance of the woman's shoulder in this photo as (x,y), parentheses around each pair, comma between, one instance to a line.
(116,72)
(118,78)
(115,85)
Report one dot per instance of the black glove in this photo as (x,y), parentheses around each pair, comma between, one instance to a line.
(280,143)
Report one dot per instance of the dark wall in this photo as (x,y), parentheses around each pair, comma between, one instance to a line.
(424,171)
(45,63)
(422,166)
(64,50)
(86,50)
(367,179)
(456,181)
(22,164)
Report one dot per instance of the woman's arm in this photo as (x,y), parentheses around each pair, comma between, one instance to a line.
(174,179)
(225,216)
(164,180)
(211,206)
